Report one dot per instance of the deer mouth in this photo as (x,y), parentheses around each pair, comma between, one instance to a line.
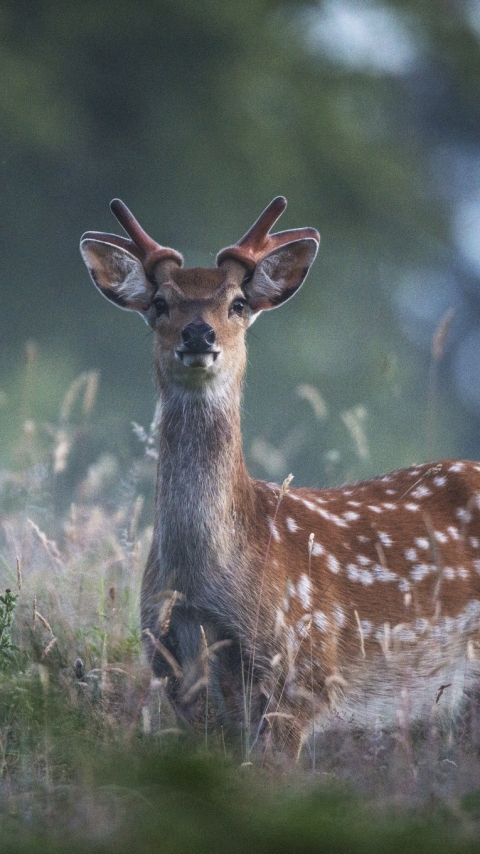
(203,360)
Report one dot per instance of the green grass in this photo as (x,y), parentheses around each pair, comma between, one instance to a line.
(91,758)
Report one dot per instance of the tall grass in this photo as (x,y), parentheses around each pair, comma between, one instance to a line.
(91,756)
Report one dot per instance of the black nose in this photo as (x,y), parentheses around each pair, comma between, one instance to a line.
(198,337)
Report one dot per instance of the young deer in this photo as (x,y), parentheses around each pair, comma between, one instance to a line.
(275,610)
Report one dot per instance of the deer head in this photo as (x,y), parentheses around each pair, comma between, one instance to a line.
(200,315)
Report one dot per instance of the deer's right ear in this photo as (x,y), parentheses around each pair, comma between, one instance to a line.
(118,275)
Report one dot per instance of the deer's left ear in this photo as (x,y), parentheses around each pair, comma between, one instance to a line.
(118,275)
(278,275)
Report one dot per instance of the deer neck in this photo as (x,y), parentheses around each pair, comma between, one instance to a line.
(204,494)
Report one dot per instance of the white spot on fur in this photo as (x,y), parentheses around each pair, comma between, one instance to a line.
(411,554)
(331,517)
(362,559)
(453,532)
(354,503)
(351,516)
(291,592)
(273,530)
(390,492)
(383,574)
(389,506)
(421,492)
(292,525)
(457,467)
(474,542)
(463,514)
(412,507)
(364,576)
(305,592)
(440,480)
(374,508)
(367,627)
(339,616)
(441,537)
(317,550)
(385,539)
(362,539)
(422,542)
(421,570)
(448,573)
(462,572)
(321,621)
(333,564)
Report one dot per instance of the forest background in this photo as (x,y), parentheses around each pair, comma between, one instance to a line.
(365,116)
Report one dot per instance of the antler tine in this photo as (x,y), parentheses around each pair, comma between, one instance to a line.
(132,226)
(258,242)
(148,250)
(258,233)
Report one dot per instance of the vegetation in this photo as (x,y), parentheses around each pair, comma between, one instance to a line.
(91,756)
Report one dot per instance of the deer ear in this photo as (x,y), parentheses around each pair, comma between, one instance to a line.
(118,275)
(279,274)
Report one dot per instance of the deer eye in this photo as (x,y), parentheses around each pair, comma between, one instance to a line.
(161,306)
(238,305)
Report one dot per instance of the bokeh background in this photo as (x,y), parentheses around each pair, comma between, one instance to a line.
(365,115)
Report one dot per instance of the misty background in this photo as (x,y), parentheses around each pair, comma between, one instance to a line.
(365,115)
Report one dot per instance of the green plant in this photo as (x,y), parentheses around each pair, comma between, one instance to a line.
(7,648)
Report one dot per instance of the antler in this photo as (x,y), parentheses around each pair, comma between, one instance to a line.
(141,245)
(258,242)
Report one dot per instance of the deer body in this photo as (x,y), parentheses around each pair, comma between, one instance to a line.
(270,609)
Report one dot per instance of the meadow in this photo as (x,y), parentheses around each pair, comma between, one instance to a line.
(91,756)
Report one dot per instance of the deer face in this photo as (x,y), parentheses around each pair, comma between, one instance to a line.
(200,316)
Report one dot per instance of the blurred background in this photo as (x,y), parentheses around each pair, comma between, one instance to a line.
(365,115)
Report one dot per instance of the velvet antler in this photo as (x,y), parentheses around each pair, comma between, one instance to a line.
(143,247)
(258,242)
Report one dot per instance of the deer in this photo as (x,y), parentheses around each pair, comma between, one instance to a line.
(269,611)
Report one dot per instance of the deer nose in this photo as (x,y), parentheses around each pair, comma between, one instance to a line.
(198,337)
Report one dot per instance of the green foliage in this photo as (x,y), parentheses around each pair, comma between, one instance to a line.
(7,611)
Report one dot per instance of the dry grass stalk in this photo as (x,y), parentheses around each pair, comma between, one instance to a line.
(315,399)
(353,420)
(48,649)
(164,652)
(440,336)
(284,487)
(44,622)
(49,545)
(170,597)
